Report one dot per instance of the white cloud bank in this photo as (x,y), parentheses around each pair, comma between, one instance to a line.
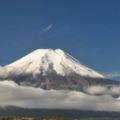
(12,94)
(104,90)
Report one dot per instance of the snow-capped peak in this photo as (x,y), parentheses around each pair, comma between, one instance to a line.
(43,60)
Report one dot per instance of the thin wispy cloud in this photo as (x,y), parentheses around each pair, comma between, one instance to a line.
(48,28)
(113,75)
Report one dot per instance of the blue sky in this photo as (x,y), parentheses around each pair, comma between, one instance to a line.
(87,29)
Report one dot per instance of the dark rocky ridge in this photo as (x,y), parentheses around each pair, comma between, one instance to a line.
(71,114)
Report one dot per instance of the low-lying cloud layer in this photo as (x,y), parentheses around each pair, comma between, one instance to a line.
(104,90)
(113,75)
(29,97)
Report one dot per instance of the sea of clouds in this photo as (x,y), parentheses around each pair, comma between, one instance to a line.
(29,97)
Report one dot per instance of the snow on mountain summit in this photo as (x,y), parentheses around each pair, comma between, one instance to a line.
(44,60)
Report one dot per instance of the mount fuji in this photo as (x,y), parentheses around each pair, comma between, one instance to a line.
(52,69)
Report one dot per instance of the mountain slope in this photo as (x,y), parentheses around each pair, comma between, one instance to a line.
(53,69)
(43,60)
